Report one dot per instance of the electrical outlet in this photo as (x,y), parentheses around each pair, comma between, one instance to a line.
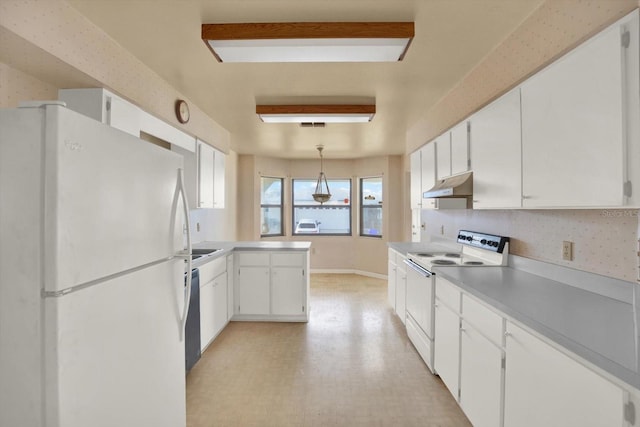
(567,250)
(197,226)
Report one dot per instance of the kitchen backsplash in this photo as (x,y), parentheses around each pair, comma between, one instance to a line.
(605,241)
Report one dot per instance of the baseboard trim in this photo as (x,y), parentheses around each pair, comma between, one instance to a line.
(347,271)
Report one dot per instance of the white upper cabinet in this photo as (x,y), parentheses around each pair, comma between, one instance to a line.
(568,137)
(443,155)
(211,177)
(219,160)
(416,180)
(428,168)
(460,148)
(574,136)
(496,151)
(206,156)
(452,151)
(110,109)
(104,106)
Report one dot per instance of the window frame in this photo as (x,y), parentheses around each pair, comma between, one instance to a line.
(294,206)
(362,206)
(268,205)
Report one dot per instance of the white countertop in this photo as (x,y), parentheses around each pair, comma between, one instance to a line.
(595,327)
(227,247)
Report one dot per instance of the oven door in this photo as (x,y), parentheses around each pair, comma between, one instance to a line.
(420,296)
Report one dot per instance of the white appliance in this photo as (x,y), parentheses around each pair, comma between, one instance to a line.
(476,250)
(92,264)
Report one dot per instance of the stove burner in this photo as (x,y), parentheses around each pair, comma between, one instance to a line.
(473,263)
(425,255)
(443,262)
(452,255)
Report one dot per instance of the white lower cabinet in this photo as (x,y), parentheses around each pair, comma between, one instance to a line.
(480,378)
(503,375)
(545,387)
(391,278)
(230,286)
(213,300)
(446,361)
(481,368)
(401,288)
(272,286)
(447,347)
(253,290)
(220,317)
(287,292)
(213,309)
(391,285)
(206,314)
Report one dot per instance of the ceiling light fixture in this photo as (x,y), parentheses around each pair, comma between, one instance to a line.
(322,193)
(309,41)
(316,113)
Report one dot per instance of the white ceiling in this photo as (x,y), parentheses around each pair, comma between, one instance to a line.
(452,36)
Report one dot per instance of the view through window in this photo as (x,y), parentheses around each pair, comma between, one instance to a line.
(331,218)
(271,192)
(371,206)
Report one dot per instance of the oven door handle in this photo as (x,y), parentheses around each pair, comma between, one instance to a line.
(418,268)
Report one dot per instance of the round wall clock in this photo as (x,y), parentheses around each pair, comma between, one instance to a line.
(182,111)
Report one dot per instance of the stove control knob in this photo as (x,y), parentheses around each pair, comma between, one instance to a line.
(461,236)
(484,242)
(494,244)
(469,238)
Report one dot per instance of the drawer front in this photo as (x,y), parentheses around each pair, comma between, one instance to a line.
(212,269)
(253,258)
(448,294)
(483,319)
(287,259)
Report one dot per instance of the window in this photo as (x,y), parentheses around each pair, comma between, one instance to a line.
(330,218)
(371,206)
(271,195)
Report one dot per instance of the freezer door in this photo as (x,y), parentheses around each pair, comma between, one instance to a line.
(113,355)
(111,201)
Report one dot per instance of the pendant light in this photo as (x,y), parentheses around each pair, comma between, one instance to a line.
(322,193)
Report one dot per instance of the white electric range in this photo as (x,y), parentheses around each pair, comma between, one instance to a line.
(477,250)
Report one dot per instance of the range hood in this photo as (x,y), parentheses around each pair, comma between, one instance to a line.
(454,186)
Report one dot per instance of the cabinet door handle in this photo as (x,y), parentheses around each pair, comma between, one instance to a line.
(507,334)
(462,329)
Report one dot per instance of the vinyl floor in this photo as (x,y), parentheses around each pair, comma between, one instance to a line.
(351,365)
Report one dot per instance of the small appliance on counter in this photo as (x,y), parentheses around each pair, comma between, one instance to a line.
(477,250)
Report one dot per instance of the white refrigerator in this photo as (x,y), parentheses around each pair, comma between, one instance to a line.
(92,270)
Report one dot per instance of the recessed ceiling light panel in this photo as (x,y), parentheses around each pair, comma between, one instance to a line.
(316,113)
(309,41)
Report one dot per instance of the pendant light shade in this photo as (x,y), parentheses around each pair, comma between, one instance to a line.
(322,193)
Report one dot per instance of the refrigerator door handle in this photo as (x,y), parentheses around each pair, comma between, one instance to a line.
(187,297)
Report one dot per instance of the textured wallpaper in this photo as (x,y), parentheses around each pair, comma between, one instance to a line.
(16,86)
(605,241)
